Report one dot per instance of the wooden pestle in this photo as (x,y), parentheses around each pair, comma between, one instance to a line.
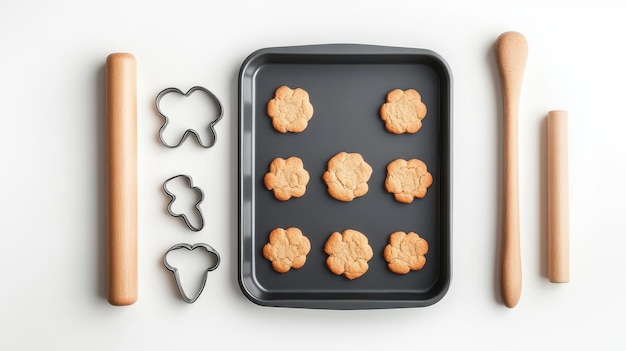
(512,52)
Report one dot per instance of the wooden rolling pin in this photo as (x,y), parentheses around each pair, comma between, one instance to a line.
(512,52)
(121,130)
(558,198)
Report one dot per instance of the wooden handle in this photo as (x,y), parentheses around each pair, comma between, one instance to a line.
(121,129)
(558,198)
(512,51)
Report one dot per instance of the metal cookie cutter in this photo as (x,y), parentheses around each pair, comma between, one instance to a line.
(189,131)
(174,270)
(197,205)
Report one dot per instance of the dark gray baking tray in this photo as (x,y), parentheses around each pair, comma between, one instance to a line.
(347,84)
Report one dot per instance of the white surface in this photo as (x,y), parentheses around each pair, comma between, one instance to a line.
(52,156)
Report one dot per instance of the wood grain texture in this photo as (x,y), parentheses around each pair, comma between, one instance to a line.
(121,130)
(512,52)
(558,198)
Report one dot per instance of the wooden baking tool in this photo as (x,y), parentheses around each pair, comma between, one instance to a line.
(121,130)
(512,52)
(558,198)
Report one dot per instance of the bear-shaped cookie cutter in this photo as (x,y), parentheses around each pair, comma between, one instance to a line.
(196,205)
(190,131)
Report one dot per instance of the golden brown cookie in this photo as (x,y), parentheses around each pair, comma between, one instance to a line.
(286,249)
(405,252)
(408,179)
(347,176)
(290,109)
(287,178)
(348,253)
(403,112)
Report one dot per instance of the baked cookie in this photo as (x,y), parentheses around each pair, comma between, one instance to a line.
(287,178)
(405,252)
(403,112)
(347,176)
(348,253)
(286,249)
(290,109)
(407,180)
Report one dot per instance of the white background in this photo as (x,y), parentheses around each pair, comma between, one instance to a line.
(52,222)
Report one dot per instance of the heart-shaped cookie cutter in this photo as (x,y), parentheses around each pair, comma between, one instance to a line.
(173,198)
(174,270)
(188,132)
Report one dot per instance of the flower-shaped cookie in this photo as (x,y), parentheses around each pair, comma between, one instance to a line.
(287,178)
(403,112)
(408,179)
(286,249)
(348,253)
(290,109)
(405,252)
(347,176)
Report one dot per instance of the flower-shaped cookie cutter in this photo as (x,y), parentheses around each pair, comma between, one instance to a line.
(197,205)
(174,270)
(189,132)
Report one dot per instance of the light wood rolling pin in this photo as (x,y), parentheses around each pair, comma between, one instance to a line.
(558,198)
(512,52)
(121,129)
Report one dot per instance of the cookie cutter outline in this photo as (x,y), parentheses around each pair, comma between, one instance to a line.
(173,198)
(190,131)
(174,270)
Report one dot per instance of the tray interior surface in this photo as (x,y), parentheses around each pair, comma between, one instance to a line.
(346,90)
